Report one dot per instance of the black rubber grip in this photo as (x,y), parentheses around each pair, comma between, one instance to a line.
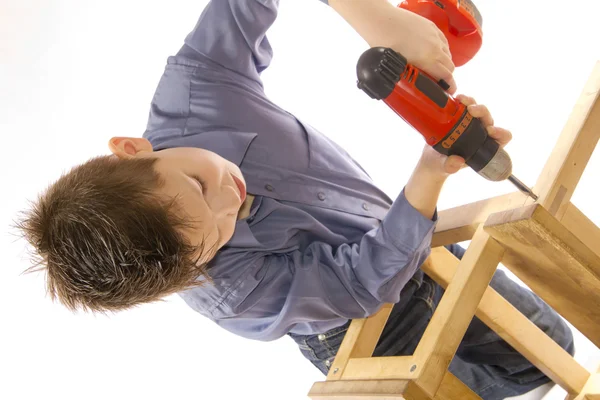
(431,89)
(474,144)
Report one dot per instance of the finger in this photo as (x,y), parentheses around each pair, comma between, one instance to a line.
(442,37)
(446,51)
(446,60)
(452,86)
(445,45)
(449,66)
(501,135)
(454,164)
(480,111)
(466,100)
(439,71)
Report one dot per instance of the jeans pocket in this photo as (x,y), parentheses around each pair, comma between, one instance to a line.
(321,349)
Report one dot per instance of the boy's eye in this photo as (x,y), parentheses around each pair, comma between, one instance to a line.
(200,182)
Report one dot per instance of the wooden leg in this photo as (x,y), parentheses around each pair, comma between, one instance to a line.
(568,160)
(455,310)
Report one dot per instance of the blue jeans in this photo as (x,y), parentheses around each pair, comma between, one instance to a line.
(483,361)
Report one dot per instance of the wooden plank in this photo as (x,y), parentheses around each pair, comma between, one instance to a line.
(360,340)
(579,225)
(358,390)
(455,310)
(459,224)
(572,151)
(553,262)
(451,388)
(518,331)
(343,354)
(391,367)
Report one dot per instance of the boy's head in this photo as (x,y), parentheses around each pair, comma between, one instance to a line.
(135,226)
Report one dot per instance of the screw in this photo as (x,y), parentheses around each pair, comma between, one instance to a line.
(336,370)
(413,368)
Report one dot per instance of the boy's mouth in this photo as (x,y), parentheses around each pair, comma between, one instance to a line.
(240,187)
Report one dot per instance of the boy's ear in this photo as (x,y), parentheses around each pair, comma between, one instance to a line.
(128,147)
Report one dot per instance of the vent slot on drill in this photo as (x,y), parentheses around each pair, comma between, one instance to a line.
(411,75)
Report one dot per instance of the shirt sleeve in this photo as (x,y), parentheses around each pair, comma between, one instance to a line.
(322,282)
(232,34)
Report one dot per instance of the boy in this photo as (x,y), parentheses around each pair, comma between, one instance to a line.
(260,222)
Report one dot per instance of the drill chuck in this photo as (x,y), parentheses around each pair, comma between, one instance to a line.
(498,168)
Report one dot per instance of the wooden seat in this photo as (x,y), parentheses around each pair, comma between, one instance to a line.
(549,244)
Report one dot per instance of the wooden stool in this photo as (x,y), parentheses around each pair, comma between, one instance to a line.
(549,244)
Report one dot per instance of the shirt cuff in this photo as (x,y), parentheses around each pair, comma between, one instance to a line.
(406,226)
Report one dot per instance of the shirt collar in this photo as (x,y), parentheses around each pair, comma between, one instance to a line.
(230,145)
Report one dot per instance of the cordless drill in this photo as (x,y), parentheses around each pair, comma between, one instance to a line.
(424,104)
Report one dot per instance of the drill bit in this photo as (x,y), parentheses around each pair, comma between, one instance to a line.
(522,187)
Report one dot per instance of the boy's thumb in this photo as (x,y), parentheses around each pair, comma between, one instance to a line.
(455,163)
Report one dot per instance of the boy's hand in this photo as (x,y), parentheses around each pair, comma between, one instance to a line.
(439,166)
(424,45)
(381,23)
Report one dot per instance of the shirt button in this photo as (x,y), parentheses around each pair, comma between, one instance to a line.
(269,188)
(365,206)
(321,337)
(321,196)
(328,363)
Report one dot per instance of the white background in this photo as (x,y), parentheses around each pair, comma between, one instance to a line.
(74,73)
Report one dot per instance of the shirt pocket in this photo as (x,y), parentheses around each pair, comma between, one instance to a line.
(326,155)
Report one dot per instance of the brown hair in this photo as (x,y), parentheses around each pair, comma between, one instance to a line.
(107,240)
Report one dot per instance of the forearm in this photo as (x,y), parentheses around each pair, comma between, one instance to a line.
(423,190)
(371,19)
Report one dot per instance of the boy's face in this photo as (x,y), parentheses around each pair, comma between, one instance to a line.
(210,189)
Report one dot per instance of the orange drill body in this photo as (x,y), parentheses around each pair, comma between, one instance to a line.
(424,105)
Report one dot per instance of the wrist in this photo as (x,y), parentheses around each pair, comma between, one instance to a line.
(373,20)
(428,173)
(423,189)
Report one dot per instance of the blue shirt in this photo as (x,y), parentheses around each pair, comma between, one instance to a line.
(322,243)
